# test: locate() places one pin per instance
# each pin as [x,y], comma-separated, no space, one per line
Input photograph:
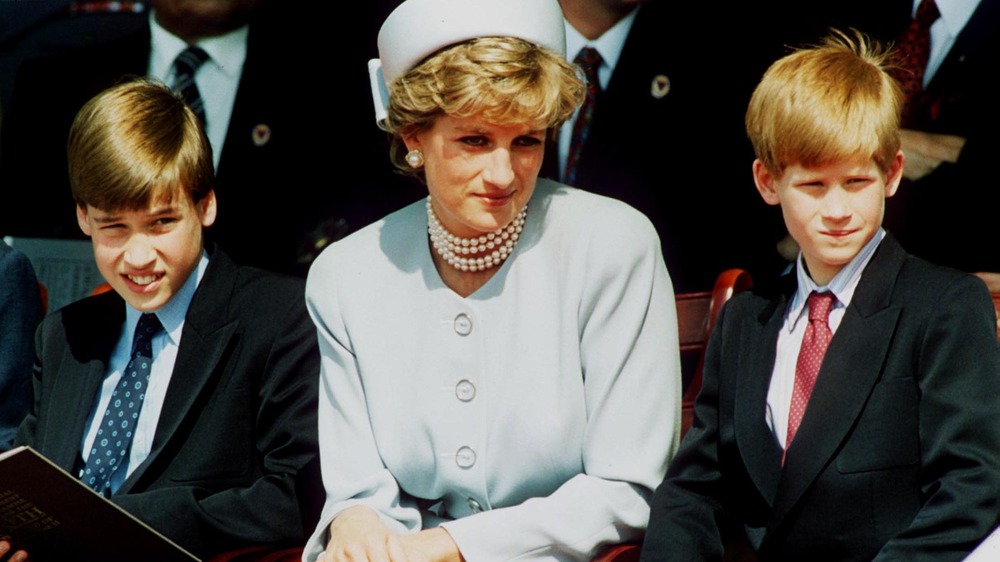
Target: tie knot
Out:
[190,59]
[927,13]
[820,305]
[148,326]
[589,60]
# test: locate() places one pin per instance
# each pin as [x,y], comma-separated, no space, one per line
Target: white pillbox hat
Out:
[419,28]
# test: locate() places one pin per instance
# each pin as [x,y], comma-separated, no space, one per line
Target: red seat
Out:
[102,288]
[696,315]
[628,552]
[996,306]
[44,293]
[616,553]
[259,553]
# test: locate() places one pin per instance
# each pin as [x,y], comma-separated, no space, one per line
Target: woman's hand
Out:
[18,556]
[358,534]
[431,544]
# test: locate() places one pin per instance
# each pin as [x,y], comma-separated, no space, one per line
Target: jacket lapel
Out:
[92,332]
[205,343]
[851,367]
[981,28]
[758,447]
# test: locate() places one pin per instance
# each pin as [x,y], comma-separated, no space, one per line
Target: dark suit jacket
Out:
[234,457]
[276,198]
[896,457]
[682,158]
[20,311]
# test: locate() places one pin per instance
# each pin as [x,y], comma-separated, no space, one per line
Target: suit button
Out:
[465,390]
[465,457]
[463,324]
[475,506]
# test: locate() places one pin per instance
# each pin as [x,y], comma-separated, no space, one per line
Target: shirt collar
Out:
[609,44]
[842,285]
[227,52]
[954,13]
[172,314]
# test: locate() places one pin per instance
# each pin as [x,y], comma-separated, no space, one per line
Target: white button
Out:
[463,324]
[475,506]
[465,457]
[465,390]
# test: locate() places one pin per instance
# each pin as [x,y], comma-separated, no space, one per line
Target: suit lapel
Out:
[758,447]
[205,343]
[92,332]
[981,28]
[243,145]
[850,369]
[632,78]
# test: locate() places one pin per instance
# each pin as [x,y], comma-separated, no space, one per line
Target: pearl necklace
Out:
[474,254]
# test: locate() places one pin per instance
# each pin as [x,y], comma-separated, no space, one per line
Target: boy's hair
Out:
[826,103]
[505,80]
[137,143]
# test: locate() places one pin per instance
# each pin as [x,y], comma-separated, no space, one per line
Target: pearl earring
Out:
[415,158]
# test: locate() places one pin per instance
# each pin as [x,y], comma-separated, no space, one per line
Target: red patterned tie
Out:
[814,343]
[589,60]
[913,50]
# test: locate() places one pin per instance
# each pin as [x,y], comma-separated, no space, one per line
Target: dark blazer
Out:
[675,156]
[234,457]
[20,311]
[896,457]
[281,181]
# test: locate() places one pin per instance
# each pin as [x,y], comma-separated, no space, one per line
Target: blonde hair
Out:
[826,103]
[136,143]
[504,80]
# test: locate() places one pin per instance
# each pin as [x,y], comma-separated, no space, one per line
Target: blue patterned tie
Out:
[114,436]
[185,66]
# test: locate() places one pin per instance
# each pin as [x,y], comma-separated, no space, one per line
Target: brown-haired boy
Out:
[214,456]
[892,454]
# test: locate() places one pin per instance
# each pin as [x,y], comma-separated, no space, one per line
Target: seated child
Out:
[223,449]
[894,454]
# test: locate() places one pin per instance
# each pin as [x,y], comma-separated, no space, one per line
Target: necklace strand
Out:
[474,254]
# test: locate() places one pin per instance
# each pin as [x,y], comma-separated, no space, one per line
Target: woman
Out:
[500,370]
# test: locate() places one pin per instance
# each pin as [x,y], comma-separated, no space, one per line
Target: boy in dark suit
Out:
[854,415]
[220,449]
